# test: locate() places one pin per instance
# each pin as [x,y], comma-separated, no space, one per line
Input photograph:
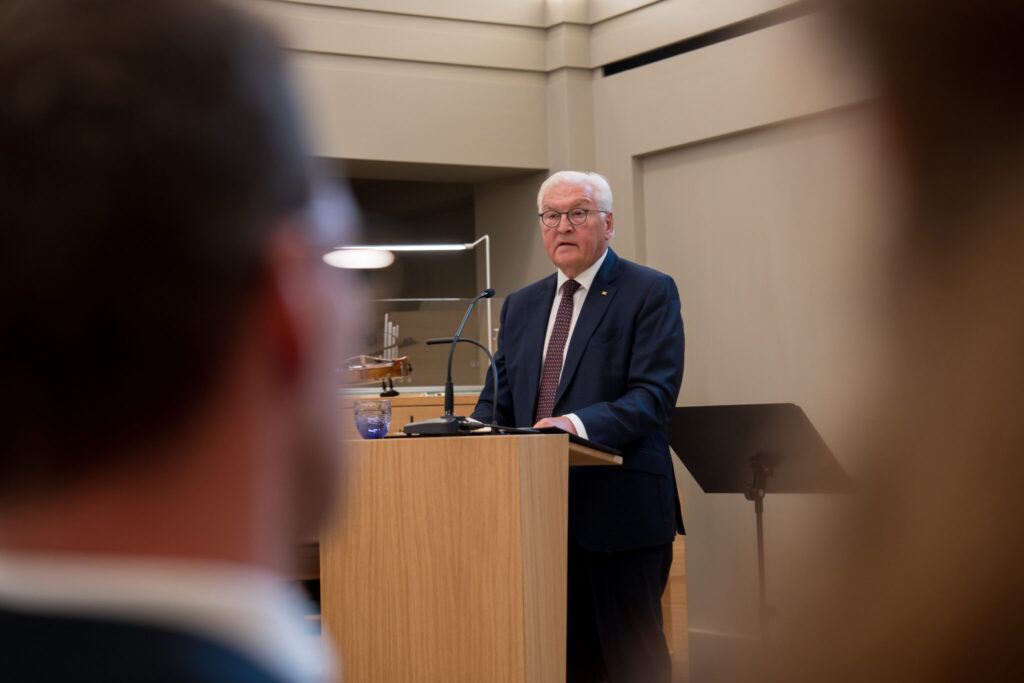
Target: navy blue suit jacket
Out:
[62,648]
[621,377]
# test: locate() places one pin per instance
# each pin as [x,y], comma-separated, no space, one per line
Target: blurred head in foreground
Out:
[168,345]
[169,333]
[928,587]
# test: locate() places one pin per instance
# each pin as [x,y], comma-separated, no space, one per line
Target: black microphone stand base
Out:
[387,388]
[448,425]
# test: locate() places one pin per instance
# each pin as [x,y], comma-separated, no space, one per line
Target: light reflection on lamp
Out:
[338,258]
[359,258]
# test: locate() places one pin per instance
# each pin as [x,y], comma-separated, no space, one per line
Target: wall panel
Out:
[521,12]
[332,30]
[402,111]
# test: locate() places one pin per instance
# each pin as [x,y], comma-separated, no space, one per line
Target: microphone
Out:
[449,423]
[449,393]
[490,359]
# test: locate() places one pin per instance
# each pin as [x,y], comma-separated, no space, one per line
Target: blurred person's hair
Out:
[146,147]
[951,77]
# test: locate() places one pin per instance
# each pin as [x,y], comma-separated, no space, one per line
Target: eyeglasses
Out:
[552,219]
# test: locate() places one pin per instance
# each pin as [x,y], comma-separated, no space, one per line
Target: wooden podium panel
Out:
[447,560]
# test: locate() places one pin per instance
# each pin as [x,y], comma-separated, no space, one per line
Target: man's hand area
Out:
[563,423]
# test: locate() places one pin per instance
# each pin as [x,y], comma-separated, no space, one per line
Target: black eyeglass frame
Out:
[586,215]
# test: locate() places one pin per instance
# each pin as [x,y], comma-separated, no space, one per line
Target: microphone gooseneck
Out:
[450,424]
[490,358]
[449,390]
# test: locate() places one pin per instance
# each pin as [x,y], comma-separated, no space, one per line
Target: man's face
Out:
[574,248]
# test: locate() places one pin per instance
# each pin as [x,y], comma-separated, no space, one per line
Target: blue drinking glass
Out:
[373,417]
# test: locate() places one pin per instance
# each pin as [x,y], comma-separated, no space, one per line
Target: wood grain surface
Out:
[447,563]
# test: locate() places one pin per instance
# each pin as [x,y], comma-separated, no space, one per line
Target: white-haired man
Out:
[596,349]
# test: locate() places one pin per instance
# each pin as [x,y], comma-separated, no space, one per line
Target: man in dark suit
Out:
[168,346]
[596,349]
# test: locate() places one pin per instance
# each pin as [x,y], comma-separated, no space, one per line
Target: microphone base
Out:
[449,425]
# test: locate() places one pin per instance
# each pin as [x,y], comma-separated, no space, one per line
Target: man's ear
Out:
[287,304]
[609,229]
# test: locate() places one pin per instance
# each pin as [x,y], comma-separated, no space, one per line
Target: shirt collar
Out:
[252,610]
[586,278]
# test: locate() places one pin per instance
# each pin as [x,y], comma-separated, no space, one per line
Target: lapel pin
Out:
[603,293]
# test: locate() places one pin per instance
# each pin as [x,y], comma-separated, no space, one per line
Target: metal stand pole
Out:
[756,493]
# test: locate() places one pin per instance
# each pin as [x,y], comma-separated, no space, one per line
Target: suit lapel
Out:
[539,306]
[599,297]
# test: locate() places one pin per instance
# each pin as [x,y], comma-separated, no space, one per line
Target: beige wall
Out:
[745,169]
[501,83]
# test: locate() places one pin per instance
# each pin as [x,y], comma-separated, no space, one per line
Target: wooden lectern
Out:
[446,559]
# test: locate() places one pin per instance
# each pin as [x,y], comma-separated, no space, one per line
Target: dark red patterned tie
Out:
[553,358]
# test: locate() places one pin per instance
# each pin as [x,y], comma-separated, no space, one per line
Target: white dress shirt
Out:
[585,280]
[253,611]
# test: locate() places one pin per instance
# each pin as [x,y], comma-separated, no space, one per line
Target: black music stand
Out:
[754,449]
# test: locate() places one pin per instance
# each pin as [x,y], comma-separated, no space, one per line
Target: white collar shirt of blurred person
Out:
[252,611]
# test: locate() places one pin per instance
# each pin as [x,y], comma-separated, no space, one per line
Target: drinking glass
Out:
[373,417]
